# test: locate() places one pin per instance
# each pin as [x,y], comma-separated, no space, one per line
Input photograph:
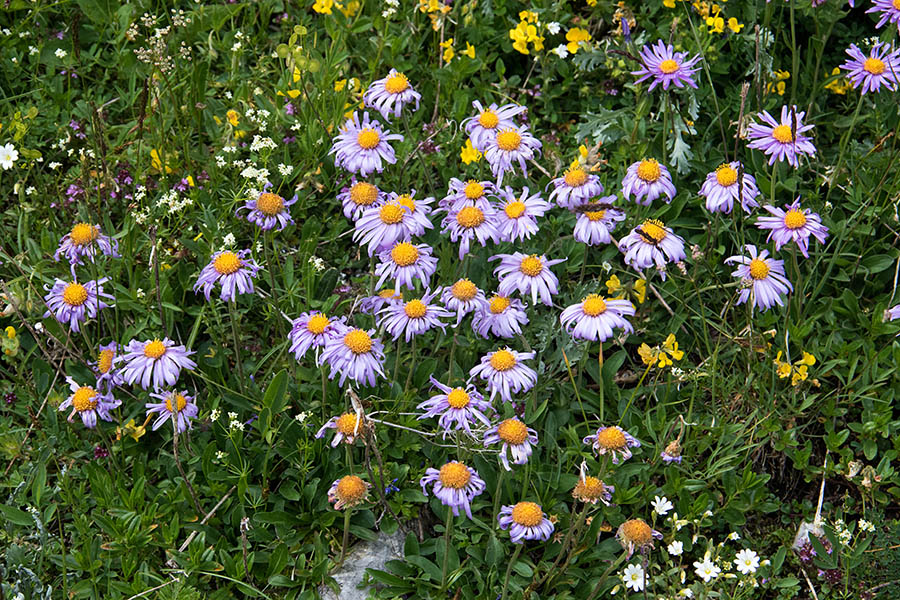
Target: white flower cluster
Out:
[391,9]
[260,143]
[172,203]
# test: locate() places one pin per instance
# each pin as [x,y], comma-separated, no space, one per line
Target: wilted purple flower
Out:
[764,278]
[635,534]
[455,485]
[347,426]
[614,441]
[233,270]
[108,376]
[89,403]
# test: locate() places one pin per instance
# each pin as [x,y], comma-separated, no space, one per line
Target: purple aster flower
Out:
[890,12]
[527,274]
[793,225]
[525,521]
[455,485]
[462,298]
[456,408]
[514,438]
[354,353]
[893,313]
[406,263]
[467,193]
[372,304]
[595,317]
[505,373]
[348,491]
[419,209]
[159,360]
[470,222]
[84,241]
[635,534]
[414,317]
[648,180]
[268,210]
[614,441]
[763,278]
[89,403]
[665,67]
[360,147]
[233,270]
[483,128]
[782,140]
[575,187]
[361,195]
[511,145]
[727,184]
[108,377]
[380,227]
[501,316]
[672,453]
[347,427]
[594,224]
[652,243]
[311,330]
[877,69]
[177,406]
[390,94]
[517,215]
[72,303]
[590,490]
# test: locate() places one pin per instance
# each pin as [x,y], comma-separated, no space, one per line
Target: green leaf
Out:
[16,516]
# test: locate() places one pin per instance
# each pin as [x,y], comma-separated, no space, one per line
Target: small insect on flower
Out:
[595,317]
[575,188]
[158,360]
[527,274]
[354,353]
[635,534]
[879,68]
[348,491]
[782,140]
[648,180]
[268,210]
[614,441]
[596,221]
[666,67]
[311,330]
[525,521]
[501,316]
[359,196]
[511,145]
[591,490]
[505,372]
[233,270]
[362,147]
[390,94]
[174,405]
[727,184]
[652,243]
[517,215]
[89,403]
[763,276]
[71,303]
[85,240]
[414,317]
[514,438]
[483,127]
[793,224]
[406,263]
[462,297]
[467,193]
[455,485]
[347,426]
[456,408]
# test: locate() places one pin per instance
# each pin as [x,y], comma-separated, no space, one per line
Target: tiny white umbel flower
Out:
[706,570]
[675,548]
[662,505]
[746,561]
[633,577]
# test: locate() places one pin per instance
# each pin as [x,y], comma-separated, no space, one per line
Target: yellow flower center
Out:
[83,399]
[358,341]
[351,489]
[531,266]
[509,140]
[346,424]
[758,269]
[470,217]
[391,214]
[668,66]
[637,532]
[503,360]
[527,514]
[654,229]
[404,254]
[783,134]
[396,83]
[595,215]
[83,234]
[363,193]
[589,488]
[499,304]
[458,398]
[488,119]
[455,475]
[874,65]
[367,139]
[896,4]
[389,294]
[648,170]
[227,263]
[154,349]
[473,190]
[415,309]
[105,360]
[317,324]
[514,210]
[407,201]
[75,294]
[464,290]
[593,305]
[575,177]
[269,204]
[611,438]
[180,403]
[794,219]
[726,175]
[512,431]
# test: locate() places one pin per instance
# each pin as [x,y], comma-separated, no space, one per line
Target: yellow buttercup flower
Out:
[528,16]
[469,154]
[614,288]
[671,347]
[323,7]
[350,9]
[661,357]
[715,23]
[798,372]
[640,290]
[669,3]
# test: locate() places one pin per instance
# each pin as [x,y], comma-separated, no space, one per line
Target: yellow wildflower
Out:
[839,85]
[135,431]
[350,9]
[233,117]
[156,163]
[469,51]
[448,50]
[469,154]
[10,332]
[340,84]
[649,355]
[592,2]
[778,86]
[614,288]
[715,23]
[296,75]
[671,347]
[640,290]
[575,36]
[669,3]
[661,357]
[798,372]
[734,26]
[528,16]
[323,7]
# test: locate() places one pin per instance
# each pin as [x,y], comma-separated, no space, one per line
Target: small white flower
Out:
[734,536]
[746,561]
[561,51]
[39,327]
[317,263]
[301,417]
[553,28]
[54,165]
[865,525]
[220,455]
[662,505]
[232,416]
[686,593]
[606,266]
[8,155]
[633,577]
[228,241]
[259,247]
[236,46]
[60,53]
[140,293]
[675,548]
[285,170]
[214,415]
[30,190]
[236,425]
[32,50]
[706,570]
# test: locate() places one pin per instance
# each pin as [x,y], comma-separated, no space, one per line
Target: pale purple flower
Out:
[890,12]
[727,184]
[517,215]
[361,146]
[71,303]
[406,263]
[457,408]
[501,316]
[268,210]
[515,439]
[108,376]
[85,240]
[505,373]
[527,274]
[614,441]
[380,227]
[511,145]
[665,67]
[347,427]
[648,180]
[575,187]
[311,330]
[893,313]
[419,209]
[372,304]
[233,270]
[355,354]
[455,485]
[358,197]
[471,222]
[462,298]
[159,361]
[652,243]
[763,278]
[89,403]
[174,405]
[595,317]
[594,225]
[525,521]
[795,224]
[390,94]
[879,68]
[784,139]
[467,193]
[413,318]
[483,127]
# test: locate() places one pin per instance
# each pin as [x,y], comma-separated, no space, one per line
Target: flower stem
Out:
[497,496]
[512,561]
[448,529]
[412,366]
[232,308]
[844,140]
[346,539]
[605,574]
